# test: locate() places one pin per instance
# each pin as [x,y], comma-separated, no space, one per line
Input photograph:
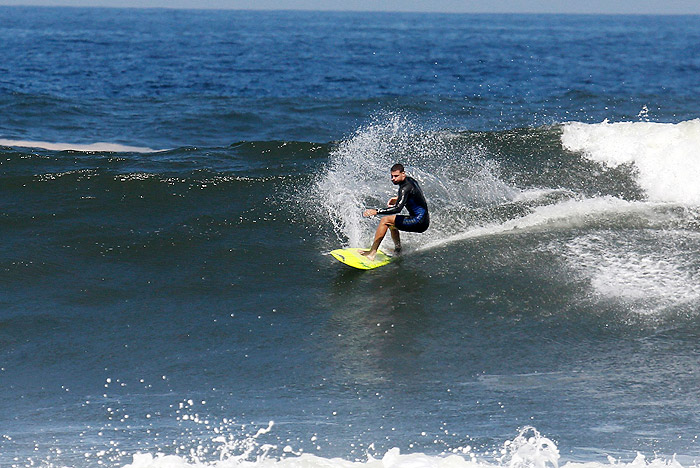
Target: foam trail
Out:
[567,214]
[94,147]
[666,156]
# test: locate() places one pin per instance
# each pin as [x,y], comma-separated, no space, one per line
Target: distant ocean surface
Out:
[171,183]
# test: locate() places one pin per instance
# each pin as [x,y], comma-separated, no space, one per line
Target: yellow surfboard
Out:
[353,257]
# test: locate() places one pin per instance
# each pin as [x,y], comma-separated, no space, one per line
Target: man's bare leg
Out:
[396,238]
[384,225]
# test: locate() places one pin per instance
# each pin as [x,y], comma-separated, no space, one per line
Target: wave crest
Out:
[665,155]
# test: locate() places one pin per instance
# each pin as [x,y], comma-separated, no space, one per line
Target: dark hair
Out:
[397,167]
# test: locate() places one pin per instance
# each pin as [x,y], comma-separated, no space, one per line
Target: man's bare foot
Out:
[397,250]
[369,254]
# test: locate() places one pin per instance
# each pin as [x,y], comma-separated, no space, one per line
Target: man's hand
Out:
[369,213]
[392,201]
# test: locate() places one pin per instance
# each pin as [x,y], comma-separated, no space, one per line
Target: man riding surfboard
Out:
[410,196]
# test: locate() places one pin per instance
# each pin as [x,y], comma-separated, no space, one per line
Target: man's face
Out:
[397,177]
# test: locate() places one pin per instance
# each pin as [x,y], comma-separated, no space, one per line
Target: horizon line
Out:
[333,10]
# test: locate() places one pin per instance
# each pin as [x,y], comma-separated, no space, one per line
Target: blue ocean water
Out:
[171,182]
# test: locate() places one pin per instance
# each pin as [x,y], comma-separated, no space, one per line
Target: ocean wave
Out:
[243,158]
[664,155]
[99,147]
[477,183]
[486,183]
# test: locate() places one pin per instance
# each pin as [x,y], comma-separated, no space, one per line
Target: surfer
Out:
[411,196]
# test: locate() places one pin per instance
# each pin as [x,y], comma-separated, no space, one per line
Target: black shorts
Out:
[413,223]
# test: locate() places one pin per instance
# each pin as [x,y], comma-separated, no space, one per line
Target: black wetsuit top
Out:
[410,196]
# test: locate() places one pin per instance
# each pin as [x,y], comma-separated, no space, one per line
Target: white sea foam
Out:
[529,449]
[567,214]
[666,156]
[651,271]
[392,459]
[92,148]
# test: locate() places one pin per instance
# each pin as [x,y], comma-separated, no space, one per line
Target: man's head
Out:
[397,174]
